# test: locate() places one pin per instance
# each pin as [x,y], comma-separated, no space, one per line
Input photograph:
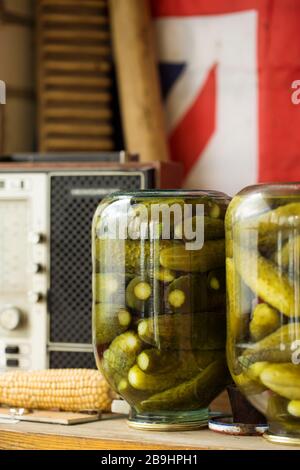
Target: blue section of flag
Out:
[169,73]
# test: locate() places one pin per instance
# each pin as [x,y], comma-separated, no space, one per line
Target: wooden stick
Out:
[141,105]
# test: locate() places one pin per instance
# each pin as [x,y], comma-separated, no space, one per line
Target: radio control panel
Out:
[23,275]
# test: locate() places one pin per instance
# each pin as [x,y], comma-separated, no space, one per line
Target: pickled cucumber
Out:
[195,393]
[277,408]
[263,230]
[283,379]
[108,288]
[140,380]
[164,275]
[214,210]
[265,320]
[283,216]
[276,347]
[238,303]
[122,353]
[185,293]
[247,384]
[110,321]
[267,281]
[294,408]
[158,361]
[289,256]
[130,394]
[213,228]
[189,294]
[216,280]
[211,256]
[138,293]
[155,360]
[132,255]
[256,369]
[204,330]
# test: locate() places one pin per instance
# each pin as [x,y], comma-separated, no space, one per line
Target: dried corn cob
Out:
[64,389]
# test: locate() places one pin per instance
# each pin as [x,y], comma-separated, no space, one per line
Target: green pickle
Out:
[159,303]
[210,256]
[263,257]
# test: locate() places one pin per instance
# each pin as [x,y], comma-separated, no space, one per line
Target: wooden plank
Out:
[75,8]
[114,434]
[78,129]
[89,3]
[20,441]
[74,20]
[97,50]
[79,145]
[52,417]
[80,113]
[74,96]
[61,34]
[139,88]
[77,66]
[71,80]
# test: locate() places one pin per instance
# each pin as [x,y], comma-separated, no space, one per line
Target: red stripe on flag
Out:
[192,134]
[279,153]
[179,8]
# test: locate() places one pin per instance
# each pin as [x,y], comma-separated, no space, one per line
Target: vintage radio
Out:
[46,209]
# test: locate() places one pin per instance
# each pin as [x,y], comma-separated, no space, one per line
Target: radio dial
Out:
[35,297]
[10,318]
[36,238]
[36,268]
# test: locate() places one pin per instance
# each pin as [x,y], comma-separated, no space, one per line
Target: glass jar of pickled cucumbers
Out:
[159,303]
[263,303]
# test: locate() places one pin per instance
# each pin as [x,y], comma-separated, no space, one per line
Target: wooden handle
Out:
[139,89]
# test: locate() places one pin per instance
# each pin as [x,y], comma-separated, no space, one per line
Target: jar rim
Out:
[275,188]
[171,192]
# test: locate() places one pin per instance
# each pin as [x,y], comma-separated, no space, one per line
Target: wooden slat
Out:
[74,19]
[77,49]
[88,3]
[93,66]
[74,9]
[66,96]
[62,80]
[78,129]
[60,34]
[79,113]
[65,144]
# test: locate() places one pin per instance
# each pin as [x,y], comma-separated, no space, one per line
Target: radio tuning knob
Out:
[36,268]
[35,297]
[35,238]
[10,318]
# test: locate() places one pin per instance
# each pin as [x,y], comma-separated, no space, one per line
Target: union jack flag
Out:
[227,70]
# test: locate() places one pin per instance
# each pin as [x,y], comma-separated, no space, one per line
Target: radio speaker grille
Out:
[74,200]
[72,360]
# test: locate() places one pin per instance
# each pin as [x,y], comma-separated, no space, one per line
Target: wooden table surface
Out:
[113,434]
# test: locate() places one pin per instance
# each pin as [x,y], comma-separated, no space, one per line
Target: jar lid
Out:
[186,426]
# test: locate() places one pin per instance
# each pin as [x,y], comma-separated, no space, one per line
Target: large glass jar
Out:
[159,303]
[263,295]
